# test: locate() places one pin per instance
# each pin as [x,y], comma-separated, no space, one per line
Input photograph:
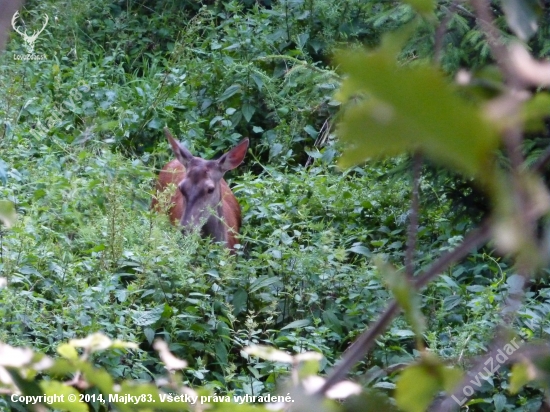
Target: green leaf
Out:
[248,111]
[230,91]
[275,149]
[405,295]
[310,130]
[147,317]
[360,250]
[416,388]
[534,112]
[221,352]
[155,124]
[240,298]
[422,6]
[258,80]
[149,334]
[302,40]
[297,324]
[67,351]
[405,109]
[419,383]
[315,154]
[521,16]
[262,283]
[331,320]
[63,392]
[499,401]
[111,125]
[520,376]
[98,377]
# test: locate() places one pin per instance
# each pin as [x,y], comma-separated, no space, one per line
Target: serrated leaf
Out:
[248,111]
[407,109]
[147,317]
[499,400]
[521,16]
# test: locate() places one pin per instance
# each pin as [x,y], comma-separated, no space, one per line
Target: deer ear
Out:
[182,154]
[234,157]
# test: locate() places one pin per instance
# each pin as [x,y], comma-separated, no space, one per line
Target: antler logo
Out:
[29,39]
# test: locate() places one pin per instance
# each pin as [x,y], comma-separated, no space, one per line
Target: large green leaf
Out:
[419,383]
[398,109]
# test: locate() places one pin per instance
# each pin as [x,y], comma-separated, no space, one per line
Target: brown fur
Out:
[174,172]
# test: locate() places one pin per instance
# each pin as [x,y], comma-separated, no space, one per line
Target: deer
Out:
[202,200]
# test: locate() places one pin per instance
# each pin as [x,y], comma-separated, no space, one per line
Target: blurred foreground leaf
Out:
[7,213]
[395,109]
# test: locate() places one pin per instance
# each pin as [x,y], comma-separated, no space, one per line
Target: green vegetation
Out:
[323,249]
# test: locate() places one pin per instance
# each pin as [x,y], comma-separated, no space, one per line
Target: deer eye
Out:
[210,190]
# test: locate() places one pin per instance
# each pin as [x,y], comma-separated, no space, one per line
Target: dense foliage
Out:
[82,144]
